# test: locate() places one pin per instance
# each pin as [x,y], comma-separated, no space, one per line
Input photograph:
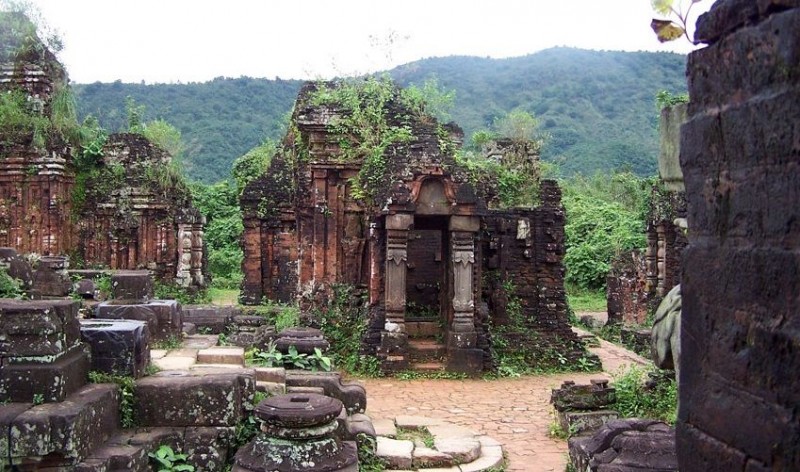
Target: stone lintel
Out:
[399,221]
[465,223]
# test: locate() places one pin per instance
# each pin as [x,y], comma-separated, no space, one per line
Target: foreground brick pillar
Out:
[740,153]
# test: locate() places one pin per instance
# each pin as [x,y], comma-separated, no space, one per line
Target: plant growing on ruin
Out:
[292,359]
[368,461]
[167,460]
[640,398]
[344,321]
[365,129]
[126,397]
[678,14]
[9,286]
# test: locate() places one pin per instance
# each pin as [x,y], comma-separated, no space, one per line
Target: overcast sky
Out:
[197,40]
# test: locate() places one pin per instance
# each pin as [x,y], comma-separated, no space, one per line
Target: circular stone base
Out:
[283,460]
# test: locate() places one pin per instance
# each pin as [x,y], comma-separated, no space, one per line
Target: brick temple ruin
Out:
[426,246]
[139,222]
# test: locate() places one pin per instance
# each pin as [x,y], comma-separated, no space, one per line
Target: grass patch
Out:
[581,299]
[223,296]
[646,393]
[418,436]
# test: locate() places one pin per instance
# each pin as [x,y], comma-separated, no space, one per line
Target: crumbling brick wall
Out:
[739,152]
[523,250]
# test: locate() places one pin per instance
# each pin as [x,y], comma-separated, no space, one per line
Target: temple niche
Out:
[130,211]
[411,229]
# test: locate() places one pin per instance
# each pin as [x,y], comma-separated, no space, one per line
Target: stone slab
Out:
[208,318]
[462,449]
[397,454]
[221,355]
[132,285]
[585,422]
[352,394]
[22,381]
[272,388]
[416,422]
[200,341]
[271,374]
[120,347]
[491,457]
[174,362]
[194,398]
[38,328]
[426,457]
[68,430]
[385,428]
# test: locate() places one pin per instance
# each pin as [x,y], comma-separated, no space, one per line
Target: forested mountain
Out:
[597,107]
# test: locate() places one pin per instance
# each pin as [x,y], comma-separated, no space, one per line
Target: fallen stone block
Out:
[208,318]
[424,457]
[271,374]
[351,394]
[385,427]
[397,454]
[595,396]
[119,347]
[461,449]
[64,433]
[23,381]
[50,279]
[207,447]
[38,328]
[163,317]
[132,285]
[585,422]
[8,412]
[271,388]
[629,444]
[211,397]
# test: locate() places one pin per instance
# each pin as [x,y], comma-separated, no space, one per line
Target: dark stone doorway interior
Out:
[426,282]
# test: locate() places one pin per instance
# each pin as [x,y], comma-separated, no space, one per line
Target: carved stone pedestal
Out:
[298,434]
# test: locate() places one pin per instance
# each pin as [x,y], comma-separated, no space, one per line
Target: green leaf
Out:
[663,7]
[666,30]
[184,467]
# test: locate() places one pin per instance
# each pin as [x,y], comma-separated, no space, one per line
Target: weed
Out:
[636,397]
[292,359]
[172,342]
[126,385]
[438,375]
[38,399]
[167,460]
[368,461]
[419,435]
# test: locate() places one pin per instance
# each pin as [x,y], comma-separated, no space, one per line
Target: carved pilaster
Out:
[462,330]
[183,273]
[395,294]
[197,254]
[651,264]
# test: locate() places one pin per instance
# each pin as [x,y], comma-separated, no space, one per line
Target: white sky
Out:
[197,40]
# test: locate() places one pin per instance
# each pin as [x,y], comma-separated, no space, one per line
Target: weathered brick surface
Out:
[742,271]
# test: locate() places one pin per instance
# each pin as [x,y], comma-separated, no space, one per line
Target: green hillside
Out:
[598,107]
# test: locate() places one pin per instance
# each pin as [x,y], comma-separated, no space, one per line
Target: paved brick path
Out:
[516,412]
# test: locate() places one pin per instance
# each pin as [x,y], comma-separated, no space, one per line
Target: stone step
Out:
[63,434]
[427,366]
[425,350]
[128,450]
[221,355]
[423,329]
[455,449]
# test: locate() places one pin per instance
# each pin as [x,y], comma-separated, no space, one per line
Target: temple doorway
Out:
[426,280]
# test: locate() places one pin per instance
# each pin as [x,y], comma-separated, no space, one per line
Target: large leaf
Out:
[662,6]
[666,30]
